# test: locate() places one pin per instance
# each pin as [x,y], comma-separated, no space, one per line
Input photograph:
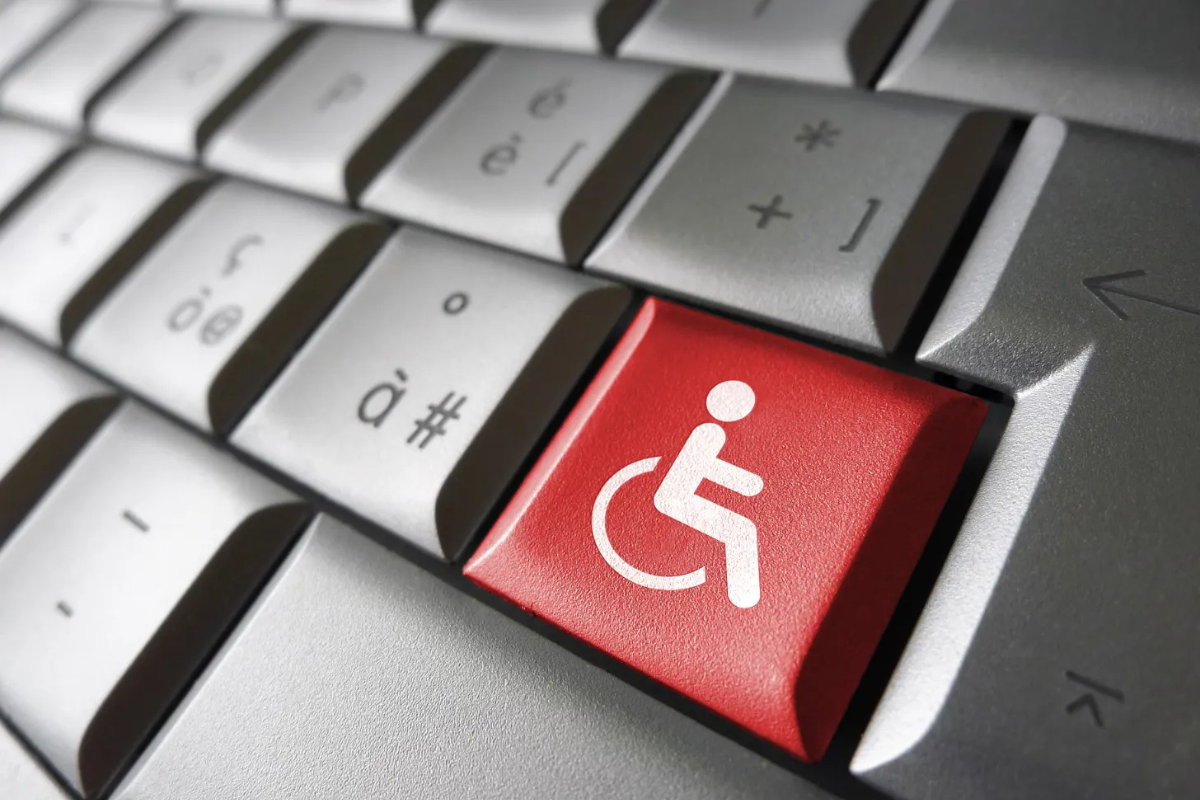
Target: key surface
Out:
[426,389]
[26,152]
[21,776]
[841,42]
[118,584]
[1126,65]
[402,686]
[828,214]
[57,83]
[333,117]
[259,8]
[1057,655]
[24,24]
[537,150]
[208,317]
[180,94]
[390,13]
[81,233]
[592,26]
[49,413]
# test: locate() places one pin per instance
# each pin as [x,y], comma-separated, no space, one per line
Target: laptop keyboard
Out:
[599,398]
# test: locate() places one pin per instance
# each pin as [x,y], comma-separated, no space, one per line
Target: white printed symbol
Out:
[676,497]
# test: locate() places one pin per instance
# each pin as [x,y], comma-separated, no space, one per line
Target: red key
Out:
[735,514]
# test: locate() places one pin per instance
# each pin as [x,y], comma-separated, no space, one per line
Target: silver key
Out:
[53,411]
[588,25]
[259,8]
[1131,65]
[389,13]
[117,585]
[537,150]
[210,315]
[430,383]
[360,676]
[25,23]
[842,42]
[1057,655]
[58,82]
[802,218]
[21,776]
[331,118]
[177,97]
[26,152]
[78,236]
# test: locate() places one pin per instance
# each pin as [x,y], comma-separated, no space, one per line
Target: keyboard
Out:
[599,399]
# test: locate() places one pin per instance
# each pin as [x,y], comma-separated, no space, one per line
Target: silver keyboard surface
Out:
[310,308]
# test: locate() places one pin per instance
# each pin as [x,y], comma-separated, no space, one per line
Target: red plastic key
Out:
[735,514]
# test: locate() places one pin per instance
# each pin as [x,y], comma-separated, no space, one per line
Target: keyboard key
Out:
[58,83]
[1057,654]
[537,150]
[26,152]
[389,13]
[425,391]
[260,8]
[176,98]
[588,25]
[82,232]
[1126,65]
[842,42]
[207,319]
[43,425]
[24,24]
[831,234]
[21,776]
[334,116]
[831,473]
[401,686]
[119,584]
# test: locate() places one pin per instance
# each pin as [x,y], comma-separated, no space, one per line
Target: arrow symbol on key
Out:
[1088,699]
[1102,287]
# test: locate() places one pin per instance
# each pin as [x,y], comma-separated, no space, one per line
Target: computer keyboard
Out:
[599,398]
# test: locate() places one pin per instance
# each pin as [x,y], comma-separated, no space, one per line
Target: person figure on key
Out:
[699,461]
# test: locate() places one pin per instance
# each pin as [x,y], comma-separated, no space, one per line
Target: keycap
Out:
[26,152]
[1057,655]
[20,774]
[209,316]
[417,401]
[402,686]
[43,424]
[329,121]
[26,23]
[588,25]
[1132,65]
[389,13]
[81,233]
[824,478]
[57,83]
[841,42]
[177,97]
[537,150]
[119,583]
[832,233]
[261,8]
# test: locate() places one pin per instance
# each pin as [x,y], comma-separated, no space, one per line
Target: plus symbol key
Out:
[768,212]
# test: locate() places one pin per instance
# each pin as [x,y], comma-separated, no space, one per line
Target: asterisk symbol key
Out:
[813,137]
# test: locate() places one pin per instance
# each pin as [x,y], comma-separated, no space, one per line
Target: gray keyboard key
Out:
[841,42]
[43,424]
[1132,65]
[25,23]
[1057,655]
[21,776]
[26,152]
[57,83]
[389,13]
[358,675]
[119,583]
[333,117]
[803,217]
[428,386]
[258,8]
[588,25]
[537,150]
[179,95]
[81,233]
[209,316]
